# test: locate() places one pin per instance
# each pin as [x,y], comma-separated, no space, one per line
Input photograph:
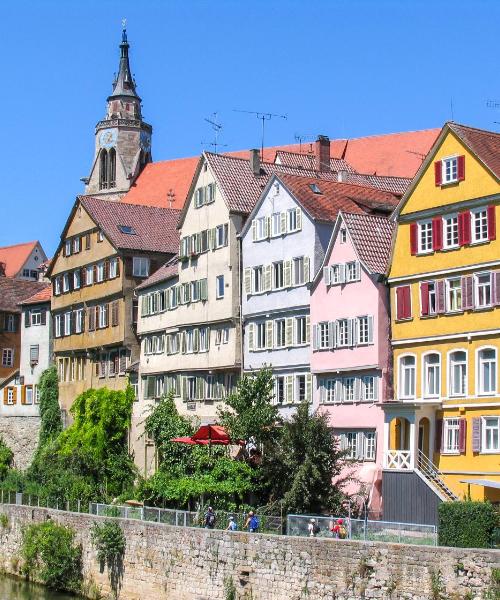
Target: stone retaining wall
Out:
[175,563]
[21,436]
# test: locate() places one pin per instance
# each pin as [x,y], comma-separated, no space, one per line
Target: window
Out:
[352,271]
[278,275]
[276,223]
[342,332]
[458,373]
[89,277]
[189,341]
[450,226]
[450,169]
[36,316]
[483,290]
[76,244]
[279,333]
[298,270]
[407,377]
[369,450]
[76,279]
[292,220]
[349,387]
[219,286]
[103,316]
[451,436]
[301,388]
[432,375]
[365,330]
[280,390]
[487,371]
[337,274]
[324,337]
[369,388]
[100,272]
[34,354]
[491,434]
[203,343]
[261,228]
[351,444]
[67,323]
[428,298]
[66,282]
[140,266]
[58,325]
[301,333]
[479,225]
[343,235]
[57,286]
[225,335]
[258,279]
[79,320]
[113,268]
[67,248]
[425,236]
[195,291]
[261,336]
[11,323]
[221,236]
[329,390]
[454,294]
[28,397]
[7,357]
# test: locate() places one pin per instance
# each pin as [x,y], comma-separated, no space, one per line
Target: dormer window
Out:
[127,229]
[314,187]
[343,235]
[449,170]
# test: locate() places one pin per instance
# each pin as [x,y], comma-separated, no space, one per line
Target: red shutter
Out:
[476,434]
[461,168]
[437,233]
[491,222]
[438,170]
[462,435]
[403,302]
[440,296]
[413,238]
[464,228]
[496,287]
[438,442]
[424,299]
[467,292]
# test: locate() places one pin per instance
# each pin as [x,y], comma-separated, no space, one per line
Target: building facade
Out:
[22,261]
[444,424]
[106,250]
[350,358]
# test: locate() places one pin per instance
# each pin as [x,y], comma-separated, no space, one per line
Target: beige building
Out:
[106,250]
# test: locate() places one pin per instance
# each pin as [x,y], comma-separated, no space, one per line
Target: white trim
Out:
[422,376]
[399,395]
[474,405]
[347,369]
[483,434]
[465,268]
[450,336]
[479,393]
[448,377]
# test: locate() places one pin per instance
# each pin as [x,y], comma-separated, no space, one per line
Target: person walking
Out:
[252,522]
[313,528]
[232,525]
[210,518]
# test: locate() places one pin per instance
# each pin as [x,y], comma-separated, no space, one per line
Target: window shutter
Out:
[403,302]
[114,313]
[496,287]
[464,235]
[267,277]
[289,389]
[43,317]
[23,394]
[476,434]
[298,213]
[129,266]
[438,442]
[308,329]
[331,334]
[204,289]
[322,391]
[438,171]
[413,238]
[248,280]
[424,299]
[287,269]
[326,275]
[307,269]
[14,395]
[196,339]
[5,395]
[440,296]
[283,222]
[358,389]
[370,329]
[467,292]
[341,273]
[375,387]
[27,318]
[254,230]
[491,222]
[83,319]
[462,435]
[461,168]
[360,443]
[251,332]
[437,233]
[350,332]
[106,269]
[289,331]
[269,335]
[267,227]
[144,305]
[308,387]
[315,337]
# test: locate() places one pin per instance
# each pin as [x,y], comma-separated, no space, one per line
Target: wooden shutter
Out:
[437,233]
[403,302]
[308,387]
[204,289]
[268,277]
[461,168]
[5,395]
[438,442]
[129,266]
[43,316]
[289,331]
[27,318]
[254,230]
[94,276]
[106,270]
[83,277]
[331,334]
[83,319]
[326,275]
[14,395]
[476,434]
[370,329]
[289,395]
[438,173]
[464,234]
[440,296]
[87,241]
[307,269]
[467,292]
[424,298]
[91,315]
[491,222]
[287,271]
[248,280]
[298,213]
[496,287]
[308,329]
[23,394]
[315,337]
[114,313]
[413,238]
[251,335]
[462,435]
[269,335]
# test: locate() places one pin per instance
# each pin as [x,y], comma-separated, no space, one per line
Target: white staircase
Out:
[433,477]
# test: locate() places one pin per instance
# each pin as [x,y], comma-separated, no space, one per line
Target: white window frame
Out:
[450,230]
[449,170]
[403,372]
[352,271]
[300,331]
[426,368]
[484,434]
[363,324]
[480,364]
[100,272]
[481,215]
[68,247]
[298,264]
[89,274]
[219,291]
[67,323]
[276,224]
[278,268]
[79,320]
[65,279]
[28,396]
[450,368]
[57,286]
[425,248]
[189,333]
[478,287]
[260,335]
[292,220]
[7,357]
[343,235]
[342,333]
[279,382]
[451,435]
[203,339]
[140,266]
[225,335]
[299,378]
[324,335]
[113,268]
[258,279]
[102,318]
[280,333]
[260,228]
[457,292]
[35,316]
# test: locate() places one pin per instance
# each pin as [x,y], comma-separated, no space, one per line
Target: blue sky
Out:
[341,68]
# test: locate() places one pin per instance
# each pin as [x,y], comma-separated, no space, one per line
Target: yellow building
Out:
[444,423]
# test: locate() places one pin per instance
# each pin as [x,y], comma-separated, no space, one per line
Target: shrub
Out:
[6,456]
[51,556]
[110,543]
[466,524]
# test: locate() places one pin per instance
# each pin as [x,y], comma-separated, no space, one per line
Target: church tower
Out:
[122,139]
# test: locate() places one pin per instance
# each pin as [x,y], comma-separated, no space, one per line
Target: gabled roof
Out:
[13,291]
[40,297]
[308,161]
[394,185]
[154,228]
[15,256]
[164,273]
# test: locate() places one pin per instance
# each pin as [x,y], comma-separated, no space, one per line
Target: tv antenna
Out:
[421,155]
[493,104]
[304,137]
[263,116]
[217,127]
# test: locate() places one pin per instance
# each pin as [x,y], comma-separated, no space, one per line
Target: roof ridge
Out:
[357,185]
[20,244]
[471,128]
[364,137]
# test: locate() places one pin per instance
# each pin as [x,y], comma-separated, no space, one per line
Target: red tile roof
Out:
[394,185]
[155,228]
[164,273]
[15,256]
[484,144]
[308,161]
[336,196]
[372,237]
[13,291]
[43,295]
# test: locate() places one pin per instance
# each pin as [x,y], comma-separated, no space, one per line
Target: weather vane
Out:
[124,23]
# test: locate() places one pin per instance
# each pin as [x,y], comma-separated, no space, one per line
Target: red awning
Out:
[205,436]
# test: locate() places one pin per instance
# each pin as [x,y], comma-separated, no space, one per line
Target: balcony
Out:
[398,460]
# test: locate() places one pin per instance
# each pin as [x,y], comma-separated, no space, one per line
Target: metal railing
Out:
[366,530]
[434,476]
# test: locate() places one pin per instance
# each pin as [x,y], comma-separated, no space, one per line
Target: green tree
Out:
[250,411]
[299,468]
[50,412]
[6,457]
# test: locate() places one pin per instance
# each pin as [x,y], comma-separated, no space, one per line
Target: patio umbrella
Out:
[184,440]
[211,434]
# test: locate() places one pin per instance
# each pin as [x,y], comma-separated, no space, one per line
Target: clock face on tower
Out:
[107,138]
[145,141]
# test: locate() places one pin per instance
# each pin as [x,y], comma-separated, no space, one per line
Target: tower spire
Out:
[124,84]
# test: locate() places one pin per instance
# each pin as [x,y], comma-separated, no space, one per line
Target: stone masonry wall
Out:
[21,436]
[174,563]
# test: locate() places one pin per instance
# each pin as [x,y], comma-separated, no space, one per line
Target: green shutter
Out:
[307,269]
[287,266]
[289,389]
[308,387]
[204,289]
[267,277]
[299,218]
[269,335]
[251,335]
[289,331]
[283,222]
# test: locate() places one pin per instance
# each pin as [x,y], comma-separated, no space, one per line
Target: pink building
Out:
[350,359]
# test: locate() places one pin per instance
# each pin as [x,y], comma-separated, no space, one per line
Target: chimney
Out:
[322,153]
[342,175]
[255,161]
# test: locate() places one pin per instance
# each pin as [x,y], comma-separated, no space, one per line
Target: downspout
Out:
[240,275]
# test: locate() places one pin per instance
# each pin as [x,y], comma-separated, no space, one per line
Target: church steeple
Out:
[123,139]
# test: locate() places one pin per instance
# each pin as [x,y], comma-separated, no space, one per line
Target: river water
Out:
[14,589]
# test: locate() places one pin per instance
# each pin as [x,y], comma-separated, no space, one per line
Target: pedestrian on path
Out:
[252,522]
[210,518]
[232,525]
[313,528]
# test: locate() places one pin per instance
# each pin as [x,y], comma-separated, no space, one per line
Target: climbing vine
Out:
[110,543]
